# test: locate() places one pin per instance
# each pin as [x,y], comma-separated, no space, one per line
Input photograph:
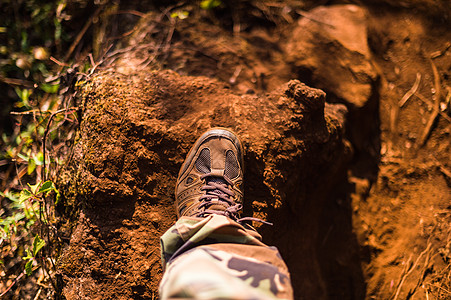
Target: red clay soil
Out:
[358,188]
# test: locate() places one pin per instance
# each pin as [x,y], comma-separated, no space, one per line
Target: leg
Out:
[221,260]
[210,253]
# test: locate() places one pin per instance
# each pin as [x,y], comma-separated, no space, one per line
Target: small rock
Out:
[329,50]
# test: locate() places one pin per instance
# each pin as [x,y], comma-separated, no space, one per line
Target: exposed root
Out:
[435,113]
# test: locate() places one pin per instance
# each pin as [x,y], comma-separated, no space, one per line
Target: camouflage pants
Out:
[217,258]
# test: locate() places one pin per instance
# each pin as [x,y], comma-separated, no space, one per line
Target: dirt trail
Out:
[403,219]
[361,208]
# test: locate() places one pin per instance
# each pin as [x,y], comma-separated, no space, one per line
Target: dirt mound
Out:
[134,136]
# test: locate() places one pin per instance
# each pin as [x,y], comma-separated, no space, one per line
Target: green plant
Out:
[38,243]
[210,4]
[26,208]
[27,213]
[22,216]
[40,39]
[180,14]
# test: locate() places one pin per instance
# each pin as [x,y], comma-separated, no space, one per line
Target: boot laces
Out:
[219,193]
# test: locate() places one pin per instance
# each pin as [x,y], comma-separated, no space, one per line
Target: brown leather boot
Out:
[210,180]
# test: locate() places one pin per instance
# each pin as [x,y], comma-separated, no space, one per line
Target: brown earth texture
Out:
[344,112]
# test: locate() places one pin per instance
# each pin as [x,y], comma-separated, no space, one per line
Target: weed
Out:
[38,243]
[210,4]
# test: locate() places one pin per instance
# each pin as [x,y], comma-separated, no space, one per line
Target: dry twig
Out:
[59,63]
[426,101]
[442,168]
[410,92]
[423,271]
[13,283]
[82,33]
[435,113]
[409,271]
[45,135]
[17,280]
[17,82]
[441,52]
[131,12]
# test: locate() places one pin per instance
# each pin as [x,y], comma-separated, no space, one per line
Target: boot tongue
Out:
[217,167]
[218,207]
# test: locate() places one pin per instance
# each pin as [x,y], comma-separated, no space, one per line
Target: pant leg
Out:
[217,258]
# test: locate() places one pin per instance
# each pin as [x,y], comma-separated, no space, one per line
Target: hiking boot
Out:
[210,180]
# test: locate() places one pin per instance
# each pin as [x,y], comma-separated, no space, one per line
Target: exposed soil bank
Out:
[134,136]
